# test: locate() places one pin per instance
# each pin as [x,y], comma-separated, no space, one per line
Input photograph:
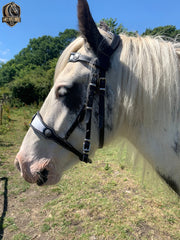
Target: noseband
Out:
[97,85]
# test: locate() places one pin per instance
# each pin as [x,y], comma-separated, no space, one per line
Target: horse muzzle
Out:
[40,172]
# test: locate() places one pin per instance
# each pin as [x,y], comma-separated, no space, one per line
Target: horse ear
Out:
[87,25]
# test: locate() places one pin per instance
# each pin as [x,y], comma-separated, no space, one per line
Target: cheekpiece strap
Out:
[97,84]
[92,89]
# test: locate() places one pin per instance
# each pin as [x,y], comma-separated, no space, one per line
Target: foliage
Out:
[115,28]
[28,76]
[39,52]
[169,31]
[8,71]
[32,87]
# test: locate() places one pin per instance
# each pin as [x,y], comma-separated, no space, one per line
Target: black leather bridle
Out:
[97,85]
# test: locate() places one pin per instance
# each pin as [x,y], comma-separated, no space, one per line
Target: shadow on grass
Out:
[5,206]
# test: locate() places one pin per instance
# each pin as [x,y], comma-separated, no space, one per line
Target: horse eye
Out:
[61,92]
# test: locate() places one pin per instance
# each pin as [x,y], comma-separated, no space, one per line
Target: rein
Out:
[97,85]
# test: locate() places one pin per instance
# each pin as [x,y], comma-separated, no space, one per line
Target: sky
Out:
[49,17]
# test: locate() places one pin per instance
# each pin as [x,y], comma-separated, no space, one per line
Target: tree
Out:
[39,52]
[167,31]
[113,25]
[7,72]
[115,28]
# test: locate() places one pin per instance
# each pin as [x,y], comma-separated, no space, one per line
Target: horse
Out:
[107,87]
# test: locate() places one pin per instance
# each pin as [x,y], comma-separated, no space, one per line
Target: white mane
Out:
[149,90]
[149,74]
[150,80]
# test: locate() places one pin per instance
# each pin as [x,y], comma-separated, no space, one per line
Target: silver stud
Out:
[76,56]
[47,132]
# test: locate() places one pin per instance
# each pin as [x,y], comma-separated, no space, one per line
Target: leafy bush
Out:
[23,90]
[34,86]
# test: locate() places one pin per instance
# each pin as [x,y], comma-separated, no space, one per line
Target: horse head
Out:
[42,160]
[106,86]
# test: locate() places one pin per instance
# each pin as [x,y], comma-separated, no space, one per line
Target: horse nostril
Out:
[17,164]
[43,177]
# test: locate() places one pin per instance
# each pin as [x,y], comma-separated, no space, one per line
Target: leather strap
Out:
[78,120]
[105,50]
[77,57]
[92,88]
[102,89]
[38,125]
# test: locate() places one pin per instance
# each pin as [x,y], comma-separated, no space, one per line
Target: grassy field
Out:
[105,200]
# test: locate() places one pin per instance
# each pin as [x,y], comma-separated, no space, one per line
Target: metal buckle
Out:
[102,84]
[102,78]
[102,89]
[89,108]
[86,146]
[92,84]
[74,57]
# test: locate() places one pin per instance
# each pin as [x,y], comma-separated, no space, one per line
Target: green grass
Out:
[21,236]
[105,200]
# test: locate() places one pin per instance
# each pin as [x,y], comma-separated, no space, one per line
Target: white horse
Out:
[142,103]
